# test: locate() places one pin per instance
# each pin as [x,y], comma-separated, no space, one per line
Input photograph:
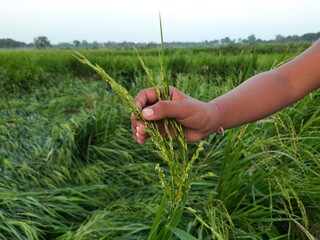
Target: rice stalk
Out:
[177,184]
[306,232]
[174,153]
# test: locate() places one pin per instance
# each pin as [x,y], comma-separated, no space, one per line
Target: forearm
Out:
[256,98]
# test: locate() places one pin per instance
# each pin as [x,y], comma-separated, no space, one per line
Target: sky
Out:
[138,20]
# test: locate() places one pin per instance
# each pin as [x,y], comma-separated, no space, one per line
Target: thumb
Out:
[162,110]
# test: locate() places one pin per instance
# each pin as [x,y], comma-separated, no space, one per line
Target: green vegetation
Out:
[69,168]
[43,42]
[179,174]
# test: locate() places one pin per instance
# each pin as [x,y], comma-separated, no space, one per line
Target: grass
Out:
[70,170]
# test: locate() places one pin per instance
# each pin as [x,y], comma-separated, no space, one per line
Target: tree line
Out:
[43,42]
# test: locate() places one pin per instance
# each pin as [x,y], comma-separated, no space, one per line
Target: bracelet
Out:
[220,128]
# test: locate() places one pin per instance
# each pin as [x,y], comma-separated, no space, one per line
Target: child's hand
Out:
[199,119]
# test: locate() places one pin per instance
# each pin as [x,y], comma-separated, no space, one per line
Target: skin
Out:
[258,97]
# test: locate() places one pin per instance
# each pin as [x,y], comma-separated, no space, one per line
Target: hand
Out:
[199,119]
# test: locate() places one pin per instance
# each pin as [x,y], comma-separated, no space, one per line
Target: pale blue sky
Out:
[138,21]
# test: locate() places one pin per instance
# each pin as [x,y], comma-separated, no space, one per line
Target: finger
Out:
[138,128]
[139,133]
[168,109]
[176,94]
[146,97]
[139,141]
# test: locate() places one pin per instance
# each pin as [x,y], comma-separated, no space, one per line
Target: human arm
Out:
[271,91]
[256,98]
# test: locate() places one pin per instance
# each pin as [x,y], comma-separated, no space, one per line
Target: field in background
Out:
[69,168]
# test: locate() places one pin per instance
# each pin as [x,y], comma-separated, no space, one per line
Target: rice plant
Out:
[70,170]
[181,172]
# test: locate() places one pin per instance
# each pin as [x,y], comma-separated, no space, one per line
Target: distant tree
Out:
[308,37]
[95,45]
[151,45]
[64,45]
[225,41]
[251,39]
[214,42]
[294,38]
[280,38]
[10,43]
[85,44]
[42,42]
[76,43]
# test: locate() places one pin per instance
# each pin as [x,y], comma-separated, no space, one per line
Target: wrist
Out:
[217,117]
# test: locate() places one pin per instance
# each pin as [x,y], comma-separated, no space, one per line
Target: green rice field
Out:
[69,168]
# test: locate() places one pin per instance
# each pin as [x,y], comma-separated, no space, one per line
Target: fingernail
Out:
[147,112]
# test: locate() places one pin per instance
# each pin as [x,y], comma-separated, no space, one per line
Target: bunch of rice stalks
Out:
[176,180]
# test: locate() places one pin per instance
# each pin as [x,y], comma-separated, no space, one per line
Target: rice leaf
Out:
[183,235]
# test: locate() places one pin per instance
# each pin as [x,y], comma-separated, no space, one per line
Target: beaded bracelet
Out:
[220,128]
